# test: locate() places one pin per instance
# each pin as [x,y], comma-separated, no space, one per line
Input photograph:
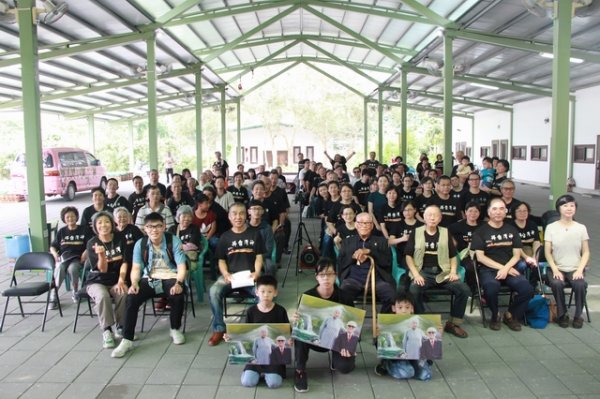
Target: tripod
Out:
[298,239]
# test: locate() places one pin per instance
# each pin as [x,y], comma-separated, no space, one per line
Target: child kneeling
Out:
[404,369]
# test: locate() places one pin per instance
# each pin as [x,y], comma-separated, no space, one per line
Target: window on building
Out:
[584,153]
[519,152]
[253,154]
[310,153]
[468,152]
[484,151]
[539,153]
[295,151]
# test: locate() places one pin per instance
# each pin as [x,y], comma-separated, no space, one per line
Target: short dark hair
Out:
[324,263]
[504,163]
[67,209]
[137,177]
[514,210]
[201,198]
[487,159]
[442,177]
[564,199]
[154,217]
[404,297]
[472,204]
[238,173]
[266,279]
[113,179]
[100,189]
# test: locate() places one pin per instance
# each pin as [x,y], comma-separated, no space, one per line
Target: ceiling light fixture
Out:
[483,85]
[572,59]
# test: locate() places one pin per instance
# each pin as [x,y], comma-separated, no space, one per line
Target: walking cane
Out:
[371,280]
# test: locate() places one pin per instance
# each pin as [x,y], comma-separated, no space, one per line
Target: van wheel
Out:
[103,183]
[70,194]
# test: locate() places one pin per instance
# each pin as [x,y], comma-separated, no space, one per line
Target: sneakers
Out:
[119,332]
[455,330]
[108,340]
[124,347]
[178,337]
[511,322]
[563,321]
[216,338]
[300,382]
[380,370]
[578,322]
[74,296]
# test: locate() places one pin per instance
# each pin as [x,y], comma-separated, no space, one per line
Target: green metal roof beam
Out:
[429,14]
[71,48]
[177,11]
[176,111]
[501,84]
[465,101]
[305,58]
[519,44]
[270,78]
[95,87]
[371,44]
[342,62]
[263,61]
[327,39]
[373,10]
[422,108]
[231,45]
[134,104]
[336,80]
[215,13]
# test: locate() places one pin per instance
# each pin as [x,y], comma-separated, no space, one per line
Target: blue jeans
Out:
[250,379]
[327,246]
[215,295]
[405,369]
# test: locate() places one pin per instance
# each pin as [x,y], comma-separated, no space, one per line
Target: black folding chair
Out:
[32,262]
[239,297]
[189,300]
[480,295]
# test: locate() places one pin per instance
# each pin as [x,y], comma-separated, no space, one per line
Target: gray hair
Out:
[183,210]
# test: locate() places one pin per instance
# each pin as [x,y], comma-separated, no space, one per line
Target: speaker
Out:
[309,257]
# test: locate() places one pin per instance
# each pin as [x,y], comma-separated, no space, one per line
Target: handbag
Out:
[538,312]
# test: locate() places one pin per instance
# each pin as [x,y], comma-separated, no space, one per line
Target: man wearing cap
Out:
[280,354]
[347,340]
[431,260]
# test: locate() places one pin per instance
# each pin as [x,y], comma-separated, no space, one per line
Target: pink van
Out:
[66,171]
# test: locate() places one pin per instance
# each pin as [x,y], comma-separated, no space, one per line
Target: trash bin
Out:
[16,246]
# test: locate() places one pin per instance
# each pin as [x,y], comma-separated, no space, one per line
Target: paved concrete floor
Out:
[552,362]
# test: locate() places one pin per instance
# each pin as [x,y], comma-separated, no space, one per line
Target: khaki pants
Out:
[103,298]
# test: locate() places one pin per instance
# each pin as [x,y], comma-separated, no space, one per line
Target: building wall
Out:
[533,127]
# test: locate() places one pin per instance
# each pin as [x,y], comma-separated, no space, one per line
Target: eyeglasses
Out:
[350,326]
[431,332]
[508,188]
[474,179]
[154,226]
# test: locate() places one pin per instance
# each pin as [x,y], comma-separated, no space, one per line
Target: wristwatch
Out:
[179,283]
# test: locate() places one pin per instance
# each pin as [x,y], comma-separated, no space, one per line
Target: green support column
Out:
[238,153]
[223,124]
[404,114]
[366,127]
[131,146]
[379,124]
[32,125]
[152,119]
[448,83]
[92,133]
[198,103]
[571,136]
[560,101]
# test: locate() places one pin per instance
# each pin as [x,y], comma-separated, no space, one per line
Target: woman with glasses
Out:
[567,249]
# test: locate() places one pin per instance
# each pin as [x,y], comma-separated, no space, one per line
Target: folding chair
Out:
[543,275]
[480,295]
[240,297]
[197,275]
[82,295]
[31,262]
[189,300]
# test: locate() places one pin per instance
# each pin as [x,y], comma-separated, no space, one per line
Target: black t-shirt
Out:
[528,234]
[191,234]
[482,198]
[137,201]
[338,296]
[511,207]
[344,232]
[223,223]
[115,252]
[117,201]
[239,194]
[497,244]
[391,216]
[404,229]
[458,195]
[131,233]
[450,210]
[173,204]
[86,217]
[280,199]
[271,211]
[309,177]
[161,187]
[71,243]
[223,166]
[335,212]
[430,260]
[372,164]
[361,192]
[498,182]
[421,202]
[462,233]
[406,195]
[301,163]
[239,250]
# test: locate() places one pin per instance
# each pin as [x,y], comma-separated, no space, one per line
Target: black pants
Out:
[460,290]
[342,364]
[385,292]
[169,173]
[146,292]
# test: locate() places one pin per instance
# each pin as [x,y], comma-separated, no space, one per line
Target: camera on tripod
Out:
[301,198]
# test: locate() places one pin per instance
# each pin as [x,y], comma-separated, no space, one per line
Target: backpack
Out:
[170,238]
[538,312]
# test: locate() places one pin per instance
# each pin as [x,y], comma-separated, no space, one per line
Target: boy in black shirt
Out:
[264,312]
